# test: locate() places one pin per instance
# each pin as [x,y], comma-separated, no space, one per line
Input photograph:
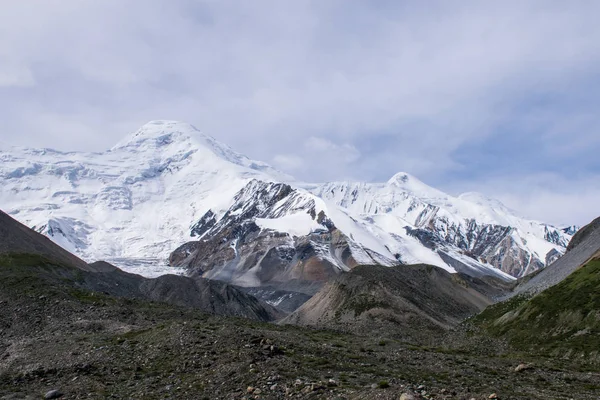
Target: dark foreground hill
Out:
[16,238]
[584,233]
[26,255]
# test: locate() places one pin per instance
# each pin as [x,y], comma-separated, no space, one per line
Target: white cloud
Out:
[15,76]
[547,197]
[288,162]
[317,156]
[265,76]
[577,207]
[326,148]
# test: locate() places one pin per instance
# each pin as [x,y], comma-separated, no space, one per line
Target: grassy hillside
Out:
[563,320]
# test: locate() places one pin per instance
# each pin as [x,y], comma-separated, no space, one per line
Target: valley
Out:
[171,266]
[92,345]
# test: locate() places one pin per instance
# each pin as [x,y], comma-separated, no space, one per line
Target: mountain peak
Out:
[160,133]
[412,184]
[166,125]
[143,198]
[402,178]
[175,139]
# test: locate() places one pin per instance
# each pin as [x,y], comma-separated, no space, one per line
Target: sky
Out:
[501,97]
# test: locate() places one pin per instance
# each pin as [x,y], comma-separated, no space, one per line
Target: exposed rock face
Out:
[236,249]
[552,256]
[509,257]
[570,230]
[557,236]
[276,235]
[491,244]
[204,224]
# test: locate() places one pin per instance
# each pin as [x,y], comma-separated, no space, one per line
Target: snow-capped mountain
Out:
[481,228]
[170,191]
[136,200]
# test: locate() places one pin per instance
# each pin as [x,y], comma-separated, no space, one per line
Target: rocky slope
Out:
[584,246]
[27,255]
[410,300]
[169,185]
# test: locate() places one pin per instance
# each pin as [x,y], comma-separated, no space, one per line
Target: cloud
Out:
[547,197]
[317,156]
[451,92]
[288,162]
[324,147]
[15,76]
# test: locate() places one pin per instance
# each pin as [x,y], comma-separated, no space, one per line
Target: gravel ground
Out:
[91,346]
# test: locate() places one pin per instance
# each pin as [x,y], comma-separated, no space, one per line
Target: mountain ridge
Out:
[105,205]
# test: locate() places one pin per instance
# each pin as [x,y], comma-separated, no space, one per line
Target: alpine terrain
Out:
[74,330]
[294,290]
[170,196]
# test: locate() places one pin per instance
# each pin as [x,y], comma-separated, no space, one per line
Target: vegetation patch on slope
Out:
[563,320]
